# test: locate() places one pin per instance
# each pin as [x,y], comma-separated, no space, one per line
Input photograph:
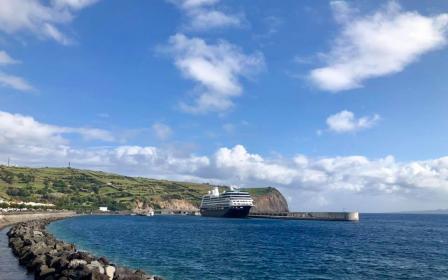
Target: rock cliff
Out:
[268,200]
[142,208]
[178,205]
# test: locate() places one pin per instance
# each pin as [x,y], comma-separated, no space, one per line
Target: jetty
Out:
[320,216]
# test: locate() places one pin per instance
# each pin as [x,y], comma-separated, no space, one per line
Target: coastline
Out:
[48,258]
[14,218]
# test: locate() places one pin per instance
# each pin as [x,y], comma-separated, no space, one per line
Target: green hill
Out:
[87,190]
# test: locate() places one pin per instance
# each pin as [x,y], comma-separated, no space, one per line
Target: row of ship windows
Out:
[239,200]
[227,202]
[226,197]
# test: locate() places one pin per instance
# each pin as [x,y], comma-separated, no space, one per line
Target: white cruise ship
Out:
[229,204]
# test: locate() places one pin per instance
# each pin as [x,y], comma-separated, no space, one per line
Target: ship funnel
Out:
[215,191]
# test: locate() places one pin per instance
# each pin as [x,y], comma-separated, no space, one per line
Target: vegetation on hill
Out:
[84,189]
[77,189]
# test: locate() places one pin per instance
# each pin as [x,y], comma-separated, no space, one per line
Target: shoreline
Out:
[14,218]
[49,258]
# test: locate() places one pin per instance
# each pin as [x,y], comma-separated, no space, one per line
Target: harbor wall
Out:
[9,219]
[326,216]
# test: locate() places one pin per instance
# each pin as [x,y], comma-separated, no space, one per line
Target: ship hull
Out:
[226,212]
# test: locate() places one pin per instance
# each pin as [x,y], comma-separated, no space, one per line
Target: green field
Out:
[77,189]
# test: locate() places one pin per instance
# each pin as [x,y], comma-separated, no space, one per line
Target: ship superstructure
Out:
[231,204]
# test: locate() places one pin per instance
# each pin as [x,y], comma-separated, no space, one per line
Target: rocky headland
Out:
[270,201]
[49,258]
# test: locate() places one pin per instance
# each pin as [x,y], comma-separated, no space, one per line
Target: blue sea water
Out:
[380,246]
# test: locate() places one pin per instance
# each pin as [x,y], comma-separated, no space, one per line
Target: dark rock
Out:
[79,273]
[45,272]
[27,258]
[36,263]
[103,261]
[81,256]
[96,275]
[59,263]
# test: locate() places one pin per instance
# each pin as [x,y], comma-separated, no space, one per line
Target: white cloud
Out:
[73,4]
[237,163]
[40,19]
[25,131]
[12,81]
[6,59]
[190,4]
[215,68]
[376,45]
[162,131]
[310,183]
[345,121]
[204,16]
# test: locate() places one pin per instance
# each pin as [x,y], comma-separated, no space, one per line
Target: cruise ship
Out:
[229,204]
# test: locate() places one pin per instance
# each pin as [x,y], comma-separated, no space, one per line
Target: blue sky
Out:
[338,104]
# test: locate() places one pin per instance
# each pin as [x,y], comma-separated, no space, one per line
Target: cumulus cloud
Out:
[25,131]
[350,174]
[28,141]
[345,121]
[316,182]
[239,164]
[162,131]
[203,15]
[39,18]
[378,44]
[216,69]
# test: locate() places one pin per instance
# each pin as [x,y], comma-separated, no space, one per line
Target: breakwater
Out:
[7,219]
[322,216]
[49,258]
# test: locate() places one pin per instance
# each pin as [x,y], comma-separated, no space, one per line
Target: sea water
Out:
[380,246]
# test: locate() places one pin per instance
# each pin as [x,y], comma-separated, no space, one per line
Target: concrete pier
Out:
[323,216]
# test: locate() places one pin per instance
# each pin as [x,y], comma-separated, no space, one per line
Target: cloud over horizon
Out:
[29,142]
[378,44]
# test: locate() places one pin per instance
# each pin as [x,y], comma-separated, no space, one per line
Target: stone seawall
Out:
[51,259]
[14,218]
[322,216]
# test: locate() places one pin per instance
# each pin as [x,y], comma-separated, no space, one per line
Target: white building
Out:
[103,209]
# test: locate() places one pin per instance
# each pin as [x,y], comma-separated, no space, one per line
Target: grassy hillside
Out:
[84,189]
[73,188]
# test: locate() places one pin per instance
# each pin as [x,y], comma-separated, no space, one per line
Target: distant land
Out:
[86,190]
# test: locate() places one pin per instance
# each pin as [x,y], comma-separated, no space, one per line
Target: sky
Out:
[340,105]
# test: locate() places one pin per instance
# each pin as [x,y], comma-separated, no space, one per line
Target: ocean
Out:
[380,246]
